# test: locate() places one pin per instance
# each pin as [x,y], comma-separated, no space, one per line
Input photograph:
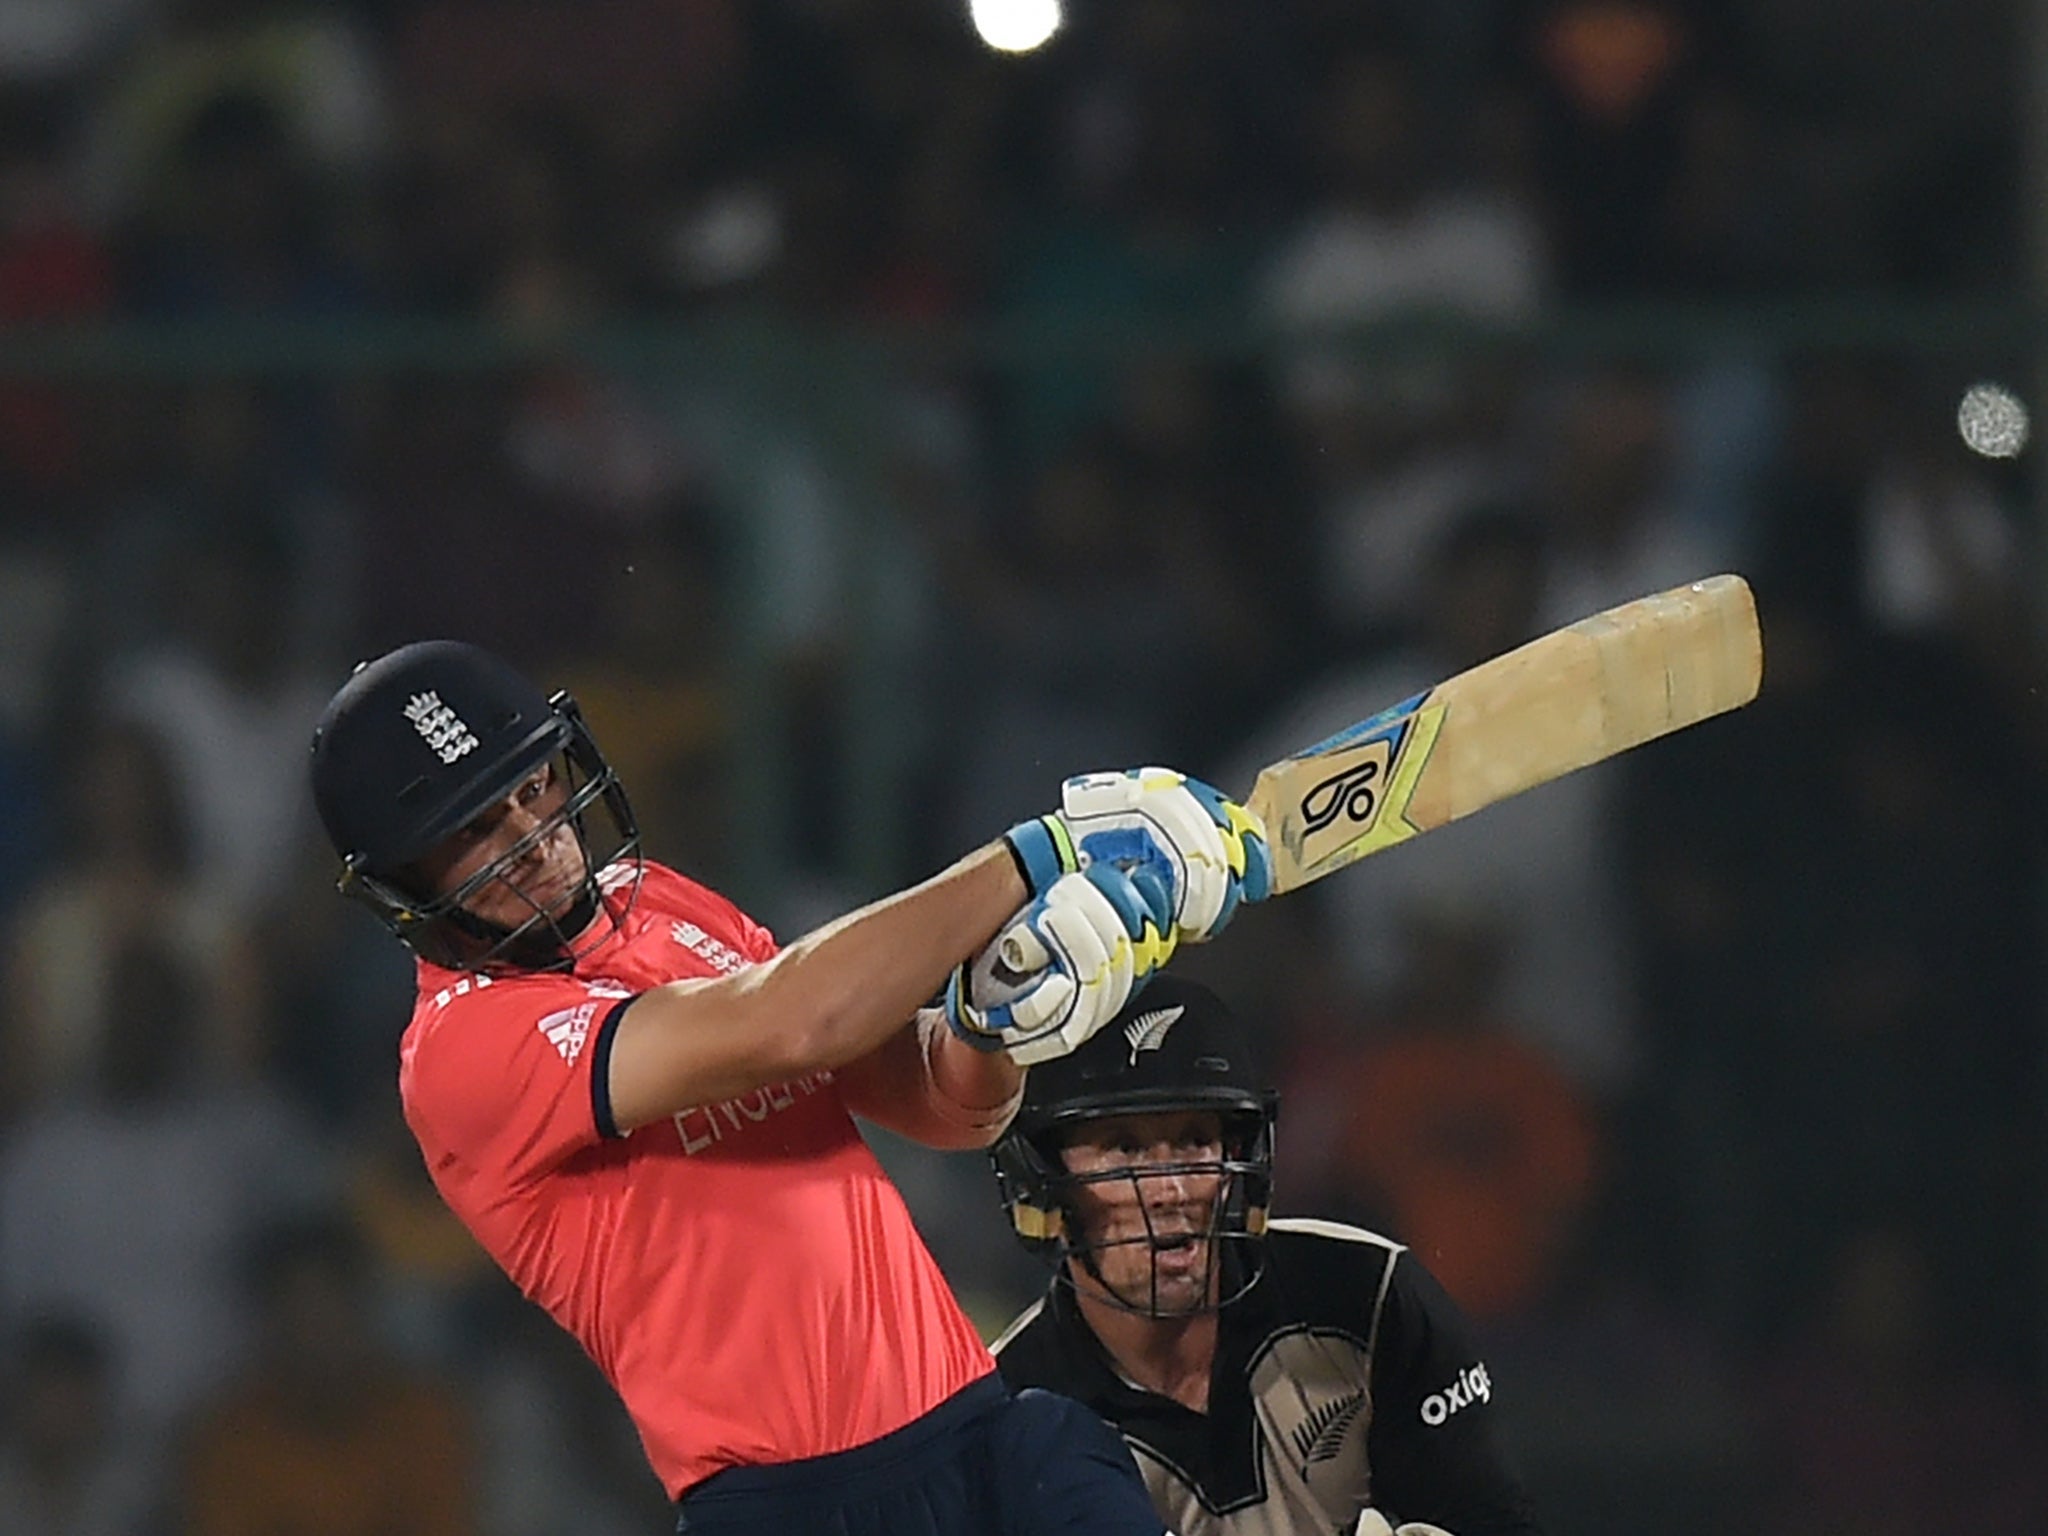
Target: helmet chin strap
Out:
[542,942]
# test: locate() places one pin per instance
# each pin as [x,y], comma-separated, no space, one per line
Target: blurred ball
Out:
[1992,421]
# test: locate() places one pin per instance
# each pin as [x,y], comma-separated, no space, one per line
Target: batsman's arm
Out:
[830,998]
[838,994]
[931,1086]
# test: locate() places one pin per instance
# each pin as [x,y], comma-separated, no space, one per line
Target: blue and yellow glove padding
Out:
[1245,851]
[1209,851]
[1044,851]
[1065,965]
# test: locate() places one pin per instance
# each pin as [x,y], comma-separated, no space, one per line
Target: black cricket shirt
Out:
[1344,1378]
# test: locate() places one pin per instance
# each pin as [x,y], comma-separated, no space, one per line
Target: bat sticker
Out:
[1357,808]
[1348,793]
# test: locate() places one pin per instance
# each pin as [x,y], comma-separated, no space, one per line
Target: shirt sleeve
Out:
[756,941]
[1434,1443]
[512,1080]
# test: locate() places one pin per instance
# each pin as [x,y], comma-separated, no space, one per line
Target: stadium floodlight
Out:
[1015,26]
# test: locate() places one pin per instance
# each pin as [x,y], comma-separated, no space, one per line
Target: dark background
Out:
[872,429]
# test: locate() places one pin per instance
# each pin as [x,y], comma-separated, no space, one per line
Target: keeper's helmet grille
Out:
[1174,1048]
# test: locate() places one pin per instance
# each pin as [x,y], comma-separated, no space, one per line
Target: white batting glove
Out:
[1208,852]
[1372,1523]
[1063,967]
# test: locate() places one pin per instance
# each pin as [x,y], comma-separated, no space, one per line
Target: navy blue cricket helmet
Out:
[416,745]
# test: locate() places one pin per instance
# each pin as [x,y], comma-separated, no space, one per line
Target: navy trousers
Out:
[983,1463]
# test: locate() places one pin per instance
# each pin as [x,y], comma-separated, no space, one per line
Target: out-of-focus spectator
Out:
[326,1434]
[1733,217]
[1613,84]
[591,58]
[68,1465]
[54,266]
[655,691]
[127,1204]
[432,1272]
[1135,218]
[337,1001]
[1479,1150]
[232,703]
[1214,491]
[1875,1425]
[237,225]
[585,438]
[1396,441]
[67,41]
[125,880]
[1085,566]
[431,471]
[1895,999]
[223,491]
[307,68]
[1604,492]
[1391,475]
[555,1449]
[1391,233]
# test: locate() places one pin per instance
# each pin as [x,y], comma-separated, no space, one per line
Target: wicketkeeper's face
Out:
[533,853]
[1145,1201]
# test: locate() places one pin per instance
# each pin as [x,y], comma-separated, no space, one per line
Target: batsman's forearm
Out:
[831,998]
[932,1087]
[974,1092]
[843,989]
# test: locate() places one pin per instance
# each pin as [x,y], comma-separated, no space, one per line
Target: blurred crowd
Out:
[871,429]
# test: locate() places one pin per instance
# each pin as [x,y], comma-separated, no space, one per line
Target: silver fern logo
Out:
[1147,1032]
[1320,1436]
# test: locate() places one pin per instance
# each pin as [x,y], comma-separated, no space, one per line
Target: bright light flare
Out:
[1993,421]
[1015,26]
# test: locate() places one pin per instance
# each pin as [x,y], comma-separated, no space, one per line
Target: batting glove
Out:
[1064,966]
[1209,851]
[1372,1523]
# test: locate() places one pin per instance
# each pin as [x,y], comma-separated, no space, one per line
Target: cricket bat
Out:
[1573,697]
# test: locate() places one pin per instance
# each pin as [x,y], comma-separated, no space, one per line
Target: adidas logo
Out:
[1147,1032]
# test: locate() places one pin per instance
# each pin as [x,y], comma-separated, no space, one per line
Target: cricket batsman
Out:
[643,1106]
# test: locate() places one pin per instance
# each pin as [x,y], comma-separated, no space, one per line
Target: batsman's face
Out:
[539,867]
[1148,1211]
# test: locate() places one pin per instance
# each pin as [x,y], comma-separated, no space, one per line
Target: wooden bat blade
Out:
[1565,700]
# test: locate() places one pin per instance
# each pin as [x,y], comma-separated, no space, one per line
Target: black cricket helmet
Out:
[1175,1047]
[416,745]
